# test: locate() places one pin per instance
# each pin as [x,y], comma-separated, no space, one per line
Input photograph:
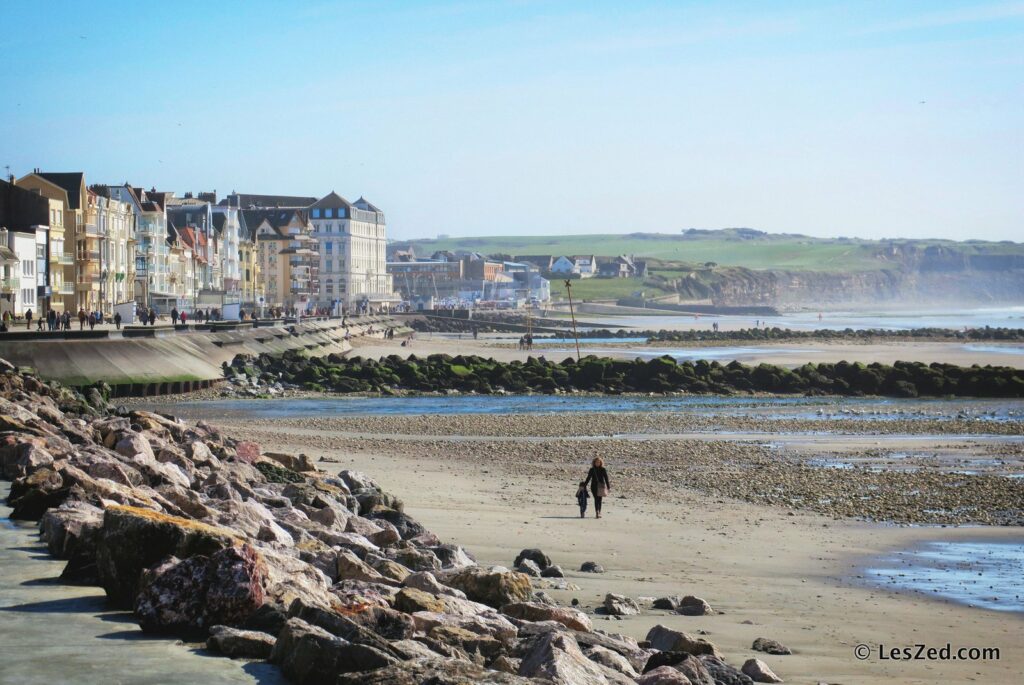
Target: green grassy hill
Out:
[727,247]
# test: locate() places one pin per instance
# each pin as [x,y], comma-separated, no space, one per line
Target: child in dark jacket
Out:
[582,496]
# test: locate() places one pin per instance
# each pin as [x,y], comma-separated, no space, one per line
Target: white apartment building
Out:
[227,230]
[353,254]
[115,221]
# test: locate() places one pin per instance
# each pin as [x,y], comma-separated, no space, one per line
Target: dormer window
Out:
[316,213]
[329,213]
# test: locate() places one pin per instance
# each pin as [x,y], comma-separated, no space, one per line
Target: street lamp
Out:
[572,315]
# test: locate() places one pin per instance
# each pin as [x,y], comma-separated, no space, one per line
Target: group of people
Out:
[600,487]
[525,342]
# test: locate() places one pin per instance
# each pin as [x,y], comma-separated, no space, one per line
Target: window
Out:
[329,246]
[28,296]
[328,213]
[316,213]
[28,267]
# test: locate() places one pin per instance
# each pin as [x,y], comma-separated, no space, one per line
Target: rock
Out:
[552,571]
[433,672]
[769,646]
[240,644]
[536,556]
[350,567]
[533,611]
[759,671]
[452,556]
[426,581]
[723,673]
[495,625]
[529,567]
[693,606]
[668,640]
[191,595]
[556,657]
[415,559]
[466,640]
[491,587]
[391,570]
[132,539]
[667,603]
[132,444]
[591,567]
[291,462]
[411,600]
[687,664]
[612,660]
[71,527]
[307,653]
[663,675]
[620,605]
[247,452]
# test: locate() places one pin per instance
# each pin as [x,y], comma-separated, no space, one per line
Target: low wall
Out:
[173,360]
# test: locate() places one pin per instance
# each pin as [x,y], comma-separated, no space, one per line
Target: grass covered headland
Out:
[442,372]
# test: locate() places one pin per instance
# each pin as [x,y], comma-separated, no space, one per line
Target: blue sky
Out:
[874,119]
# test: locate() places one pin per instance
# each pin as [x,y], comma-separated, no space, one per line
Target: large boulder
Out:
[535,611]
[556,657]
[663,675]
[493,587]
[240,644]
[133,539]
[620,605]
[692,667]
[308,654]
[770,646]
[191,595]
[536,556]
[668,640]
[759,672]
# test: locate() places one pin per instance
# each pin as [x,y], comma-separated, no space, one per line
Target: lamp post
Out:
[572,315]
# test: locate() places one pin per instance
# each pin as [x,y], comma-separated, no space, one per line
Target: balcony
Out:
[63,258]
[89,255]
[9,285]
[66,288]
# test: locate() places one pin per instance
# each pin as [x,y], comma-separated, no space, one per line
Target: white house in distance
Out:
[353,254]
[584,265]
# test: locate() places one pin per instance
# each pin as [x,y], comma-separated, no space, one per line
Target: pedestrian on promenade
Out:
[28,319]
[81,318]
[151,316]
[51,319]
[92,320]
[41,322]
[65,321]
[184,318]
[174,316]
[117,320]
[599,483]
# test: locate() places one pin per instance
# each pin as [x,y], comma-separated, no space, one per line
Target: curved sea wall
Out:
[173,360]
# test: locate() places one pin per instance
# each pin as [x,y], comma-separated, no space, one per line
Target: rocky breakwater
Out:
[442,372]
[264,557]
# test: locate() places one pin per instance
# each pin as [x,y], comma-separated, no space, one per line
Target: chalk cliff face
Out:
[932,275]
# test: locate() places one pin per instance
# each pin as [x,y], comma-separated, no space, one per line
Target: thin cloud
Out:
[968,15]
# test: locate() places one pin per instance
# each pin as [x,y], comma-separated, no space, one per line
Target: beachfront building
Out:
[248,266]
[289,263]
[584,265]
[151,285]
[116,221]
[24,219]
[352,248]
[68,190]
[226,232]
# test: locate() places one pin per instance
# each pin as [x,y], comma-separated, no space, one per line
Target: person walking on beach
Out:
[581,498]
[600,486]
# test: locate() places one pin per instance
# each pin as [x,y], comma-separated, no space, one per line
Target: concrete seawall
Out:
[174,361]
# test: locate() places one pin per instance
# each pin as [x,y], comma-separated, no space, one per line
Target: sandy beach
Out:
[771,571]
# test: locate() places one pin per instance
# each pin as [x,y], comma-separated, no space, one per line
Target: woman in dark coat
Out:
[600,486]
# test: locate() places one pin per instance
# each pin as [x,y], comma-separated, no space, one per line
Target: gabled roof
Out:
[363,203]
[252,200]
[331,201]
[70,181]
[219,219]
[275,217]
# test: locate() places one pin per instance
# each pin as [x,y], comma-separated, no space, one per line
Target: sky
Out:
[866,119]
